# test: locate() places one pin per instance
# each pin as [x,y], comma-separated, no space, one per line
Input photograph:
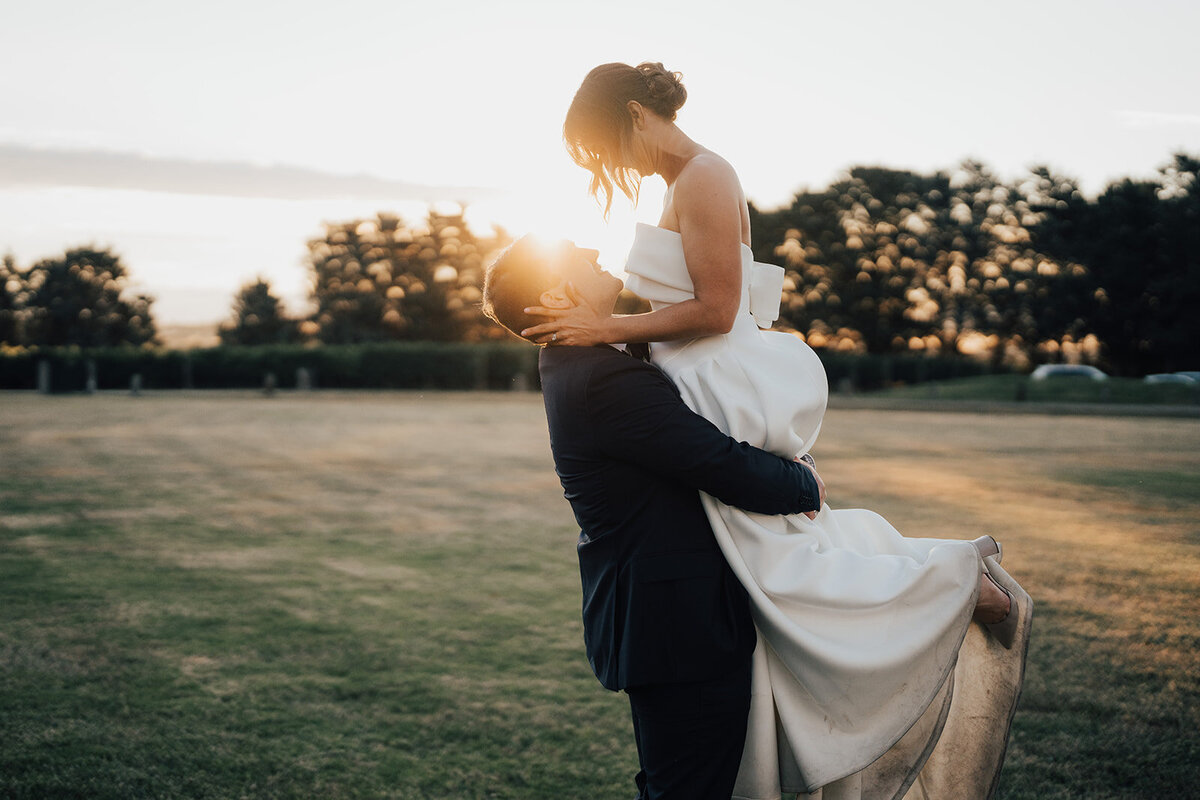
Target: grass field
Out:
[375,594]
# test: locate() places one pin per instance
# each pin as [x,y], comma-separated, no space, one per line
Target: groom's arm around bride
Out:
[660,602]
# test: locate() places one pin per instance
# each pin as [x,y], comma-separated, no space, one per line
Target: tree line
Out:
[1019,273]
[883,261]
[379,280]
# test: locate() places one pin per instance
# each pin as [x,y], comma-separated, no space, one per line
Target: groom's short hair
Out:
[515,281]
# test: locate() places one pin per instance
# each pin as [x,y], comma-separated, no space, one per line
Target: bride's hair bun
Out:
[598,130]
[666,90]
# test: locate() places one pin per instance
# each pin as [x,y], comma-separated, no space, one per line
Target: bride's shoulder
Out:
[705,172]
[707,164]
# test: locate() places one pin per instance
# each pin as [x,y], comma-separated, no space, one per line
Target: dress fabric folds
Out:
[860,628]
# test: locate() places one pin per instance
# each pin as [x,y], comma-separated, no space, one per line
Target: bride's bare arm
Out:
[708,210]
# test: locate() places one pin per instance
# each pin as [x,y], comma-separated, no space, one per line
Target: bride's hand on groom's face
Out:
[580,325]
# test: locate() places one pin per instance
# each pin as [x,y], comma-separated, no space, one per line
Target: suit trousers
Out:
[690,736]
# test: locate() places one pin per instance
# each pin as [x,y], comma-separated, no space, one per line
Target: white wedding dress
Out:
[860,628]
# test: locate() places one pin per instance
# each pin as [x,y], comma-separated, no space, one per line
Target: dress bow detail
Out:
[766,292]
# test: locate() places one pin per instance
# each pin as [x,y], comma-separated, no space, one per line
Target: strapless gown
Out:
[861,630]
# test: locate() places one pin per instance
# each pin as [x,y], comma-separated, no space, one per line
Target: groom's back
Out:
[660,604]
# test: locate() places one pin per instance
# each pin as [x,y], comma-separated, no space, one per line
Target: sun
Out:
[554,207]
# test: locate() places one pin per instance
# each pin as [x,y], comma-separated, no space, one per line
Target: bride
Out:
[869,679]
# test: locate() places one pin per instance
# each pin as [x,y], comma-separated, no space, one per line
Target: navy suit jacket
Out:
[660,603]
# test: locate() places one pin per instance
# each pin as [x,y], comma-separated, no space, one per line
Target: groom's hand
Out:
[820,485]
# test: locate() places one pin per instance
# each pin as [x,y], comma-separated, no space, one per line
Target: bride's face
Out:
[626,149]
[622,156]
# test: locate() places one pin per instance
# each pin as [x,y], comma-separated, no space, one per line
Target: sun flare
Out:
[553,209]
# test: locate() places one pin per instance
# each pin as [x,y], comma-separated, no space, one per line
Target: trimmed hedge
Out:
[390,365]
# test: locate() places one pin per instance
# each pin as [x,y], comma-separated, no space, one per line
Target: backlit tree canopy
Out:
[77,299]
[11,288]
[882,261]
[888,260]
[382,279]
[258,318]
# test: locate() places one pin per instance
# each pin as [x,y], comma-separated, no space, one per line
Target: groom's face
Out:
[594,286]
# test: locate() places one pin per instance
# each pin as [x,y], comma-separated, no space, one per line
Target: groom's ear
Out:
[556,297]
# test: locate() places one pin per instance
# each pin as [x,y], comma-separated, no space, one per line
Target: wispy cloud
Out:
[25,166]
[1157,119]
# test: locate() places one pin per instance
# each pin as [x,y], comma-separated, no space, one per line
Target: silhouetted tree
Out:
[889,260]
[1141,241]
[1070,301]
[12,285]
[76,299]
[258,318]
[381,279]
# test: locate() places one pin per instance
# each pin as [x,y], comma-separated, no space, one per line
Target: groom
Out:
[665,619]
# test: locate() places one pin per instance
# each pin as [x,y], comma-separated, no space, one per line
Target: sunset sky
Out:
[206,142]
